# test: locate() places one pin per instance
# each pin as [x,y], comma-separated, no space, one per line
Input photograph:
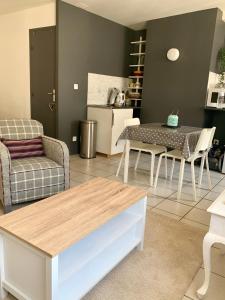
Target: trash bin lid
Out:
[89,121]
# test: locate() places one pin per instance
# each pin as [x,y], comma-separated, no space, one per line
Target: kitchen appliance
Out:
[113,92]
[216,97]
[172,120]
[120,100]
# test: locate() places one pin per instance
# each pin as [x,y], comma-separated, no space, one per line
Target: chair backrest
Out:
[212,136]
[20,129]
[131,122]
[205,140]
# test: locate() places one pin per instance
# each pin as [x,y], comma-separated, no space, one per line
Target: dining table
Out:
[183,138]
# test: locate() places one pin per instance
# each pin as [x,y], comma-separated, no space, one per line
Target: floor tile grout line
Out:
[168,213]
[217,274]
[188,297]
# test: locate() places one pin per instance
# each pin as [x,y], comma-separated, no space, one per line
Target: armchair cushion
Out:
[35,178]
[24,148]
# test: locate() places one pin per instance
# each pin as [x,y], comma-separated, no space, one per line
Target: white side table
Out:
[216,234]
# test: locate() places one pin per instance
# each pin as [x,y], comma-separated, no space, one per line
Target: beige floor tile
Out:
[186,298]
[218,189]
[165,213]
[174,207]
[222,182]
[216,289]
[105,166]
[162,192]
[187,189]
[216,175]
[139,185]
[212,196]
[185,199]
[99,172]
[74,183]
[114,177]
[198,215]
[204,204]
[154,200]
[195,224]
[218,261]
[79,177]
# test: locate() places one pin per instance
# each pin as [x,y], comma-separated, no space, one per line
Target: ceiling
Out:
[134,13]
[131,13]
[9,6]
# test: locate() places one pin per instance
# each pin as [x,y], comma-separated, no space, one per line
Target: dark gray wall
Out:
[179,85]
[218,41]
[85,43]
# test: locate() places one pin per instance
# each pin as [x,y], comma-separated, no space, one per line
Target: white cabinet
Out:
[110,124]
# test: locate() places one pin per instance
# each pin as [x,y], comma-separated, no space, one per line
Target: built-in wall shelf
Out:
[134,66]
[136,99]
[138,42]
[137,54]
[135,76]
[214,108]
[135,86]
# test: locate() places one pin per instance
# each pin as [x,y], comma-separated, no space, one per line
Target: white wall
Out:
[14,58]
[99,93]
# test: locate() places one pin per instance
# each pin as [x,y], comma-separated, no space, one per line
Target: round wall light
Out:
[173,54]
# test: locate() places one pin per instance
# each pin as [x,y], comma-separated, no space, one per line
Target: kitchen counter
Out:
[112,106]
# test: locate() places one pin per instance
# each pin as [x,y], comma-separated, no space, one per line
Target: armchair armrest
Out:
[57,151]
[5,165]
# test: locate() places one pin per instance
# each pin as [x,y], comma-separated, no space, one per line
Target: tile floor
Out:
[163,201]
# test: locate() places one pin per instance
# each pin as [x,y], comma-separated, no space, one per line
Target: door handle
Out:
[53,95]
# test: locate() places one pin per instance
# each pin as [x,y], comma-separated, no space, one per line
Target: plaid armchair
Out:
[28,179]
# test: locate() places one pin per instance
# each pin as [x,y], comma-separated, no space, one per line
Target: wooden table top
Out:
[54,224]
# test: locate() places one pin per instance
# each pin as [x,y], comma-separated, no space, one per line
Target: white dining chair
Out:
[205,160]
[142,147]
[201,149]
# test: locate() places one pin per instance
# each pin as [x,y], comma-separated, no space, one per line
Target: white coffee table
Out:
[60,247]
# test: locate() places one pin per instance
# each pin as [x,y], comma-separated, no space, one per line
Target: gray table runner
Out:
[183,138]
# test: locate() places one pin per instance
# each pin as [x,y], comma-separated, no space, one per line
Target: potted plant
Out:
[221,67]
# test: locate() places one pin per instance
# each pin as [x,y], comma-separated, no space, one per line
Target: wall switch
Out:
[76,86]
[74,139]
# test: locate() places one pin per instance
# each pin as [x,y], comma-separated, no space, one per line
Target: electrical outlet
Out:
[76,86]
[74,139]
[216,142]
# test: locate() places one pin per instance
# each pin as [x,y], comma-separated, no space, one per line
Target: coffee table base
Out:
[28,273]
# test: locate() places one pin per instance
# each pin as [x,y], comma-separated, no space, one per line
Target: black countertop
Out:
[112,106]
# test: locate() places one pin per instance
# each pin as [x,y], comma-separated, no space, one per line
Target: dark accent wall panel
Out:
[218,41]
[86,43]
[179,85]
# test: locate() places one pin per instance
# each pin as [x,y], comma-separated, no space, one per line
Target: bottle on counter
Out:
[120,99]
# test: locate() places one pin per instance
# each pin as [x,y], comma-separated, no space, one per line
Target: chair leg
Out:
[120,163]
[166,173]
[181,176]
[137,160]
[157,172]
[193,179]
[201,171]
[208,171]
[152,169]
[172,169]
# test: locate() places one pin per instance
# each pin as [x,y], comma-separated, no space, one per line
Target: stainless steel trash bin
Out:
[88,130]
